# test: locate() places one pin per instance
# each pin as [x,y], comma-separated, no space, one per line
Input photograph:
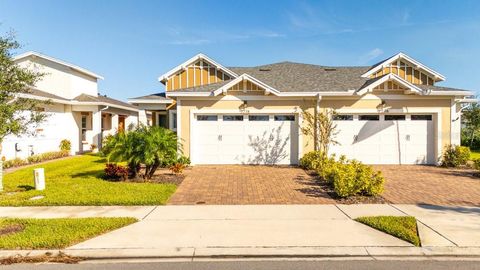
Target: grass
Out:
[474,154]
[404,228]
[56,233]
[78,181]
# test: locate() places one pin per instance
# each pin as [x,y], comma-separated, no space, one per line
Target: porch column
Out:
[97,128]
[142,117]
[115,123]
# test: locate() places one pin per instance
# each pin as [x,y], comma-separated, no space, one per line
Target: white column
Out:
[115,123]
[455,126]
[142,117]
[97,128]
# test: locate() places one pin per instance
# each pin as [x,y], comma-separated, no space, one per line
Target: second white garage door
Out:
[386,139]
[245,139]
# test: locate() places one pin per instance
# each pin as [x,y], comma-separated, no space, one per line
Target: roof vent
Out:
[329,69]
[265,69]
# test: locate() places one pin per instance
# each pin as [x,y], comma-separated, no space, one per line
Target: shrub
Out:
[14,163]
[308,160]
[65,145]
[184,160]
[115,172]
[177,168]
[348,177]
[455,156]
[476,164]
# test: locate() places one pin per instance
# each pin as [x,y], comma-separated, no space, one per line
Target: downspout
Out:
[317,111]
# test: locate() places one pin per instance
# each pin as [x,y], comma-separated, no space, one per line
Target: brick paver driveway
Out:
[238,184]
[414,184]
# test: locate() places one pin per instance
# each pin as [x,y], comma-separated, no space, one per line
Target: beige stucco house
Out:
[390,113]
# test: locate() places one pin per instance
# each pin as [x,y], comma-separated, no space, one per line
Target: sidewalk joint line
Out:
[336,205]
[418,220]
[150,212]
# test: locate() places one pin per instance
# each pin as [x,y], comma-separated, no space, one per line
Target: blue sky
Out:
[131,43]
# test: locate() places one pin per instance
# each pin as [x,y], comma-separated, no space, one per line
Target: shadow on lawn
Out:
[88,174]
[26,187]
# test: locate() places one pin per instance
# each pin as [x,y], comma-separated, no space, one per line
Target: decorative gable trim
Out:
[411,87]
[245,77]
[418,65]
[163,78]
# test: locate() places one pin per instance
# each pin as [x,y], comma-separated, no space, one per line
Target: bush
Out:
[14,163]
[115,172]
[455,156]
[476,164]
[34,159]
[352,177]
[177,168]
[348,177]
[65,145]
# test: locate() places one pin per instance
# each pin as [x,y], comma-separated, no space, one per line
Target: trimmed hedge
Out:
[34,159]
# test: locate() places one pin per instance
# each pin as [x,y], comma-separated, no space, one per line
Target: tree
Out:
[321,128]
[151,146]
[471,119]
[17,114]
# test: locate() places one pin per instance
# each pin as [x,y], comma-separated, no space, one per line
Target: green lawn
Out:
[404,228]
[474,154]
[56,233]
[78,181]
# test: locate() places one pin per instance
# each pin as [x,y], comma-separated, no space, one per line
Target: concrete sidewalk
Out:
[271,230]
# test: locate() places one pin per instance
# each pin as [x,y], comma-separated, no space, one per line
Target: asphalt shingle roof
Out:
[100,98]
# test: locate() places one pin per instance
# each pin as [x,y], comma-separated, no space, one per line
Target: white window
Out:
[172,120]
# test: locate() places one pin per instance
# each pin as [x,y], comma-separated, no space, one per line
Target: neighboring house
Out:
[388,113]
[75,111]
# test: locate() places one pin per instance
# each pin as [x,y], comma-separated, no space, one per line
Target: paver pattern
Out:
[244,184]
[414,184]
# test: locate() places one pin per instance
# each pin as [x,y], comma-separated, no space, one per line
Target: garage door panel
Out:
[386,142]
[256,141]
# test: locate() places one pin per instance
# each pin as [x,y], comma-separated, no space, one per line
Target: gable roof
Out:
[376,67]
[192,60]
[372,83]
[58,61]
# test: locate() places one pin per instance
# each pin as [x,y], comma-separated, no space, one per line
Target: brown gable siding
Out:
[197,74]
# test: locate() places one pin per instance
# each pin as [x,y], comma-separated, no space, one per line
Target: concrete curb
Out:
[254,252]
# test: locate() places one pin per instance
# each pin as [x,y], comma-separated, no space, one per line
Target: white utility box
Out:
[39,176]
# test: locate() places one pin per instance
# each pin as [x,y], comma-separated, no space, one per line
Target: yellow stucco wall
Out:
[338,103]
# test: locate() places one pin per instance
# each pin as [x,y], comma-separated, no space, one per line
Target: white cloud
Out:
[370,55]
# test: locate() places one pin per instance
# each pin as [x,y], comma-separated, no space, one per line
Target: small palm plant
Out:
[151,146]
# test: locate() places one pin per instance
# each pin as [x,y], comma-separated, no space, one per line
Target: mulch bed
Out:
[164,176]
[47,258]
[11,228]
[358,199]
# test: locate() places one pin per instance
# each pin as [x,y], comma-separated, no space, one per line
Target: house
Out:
[75,110]
[390,113]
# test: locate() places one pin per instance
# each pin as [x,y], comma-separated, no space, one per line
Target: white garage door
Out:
[386,139]
[245,139]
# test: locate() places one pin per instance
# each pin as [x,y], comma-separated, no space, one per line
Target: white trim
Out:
[195,58]
[58,61]
[417,64]
[150,101]
[74,102]
[170,119]
[179,123]
[391,76]
[241,78]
